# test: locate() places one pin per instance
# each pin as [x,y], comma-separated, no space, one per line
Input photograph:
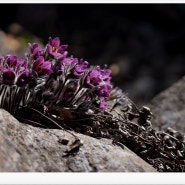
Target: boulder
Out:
[169,107]
[24,148]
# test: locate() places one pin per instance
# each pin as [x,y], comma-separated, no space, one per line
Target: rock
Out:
[11,43]
[24,148]
[5,47]
[169,107]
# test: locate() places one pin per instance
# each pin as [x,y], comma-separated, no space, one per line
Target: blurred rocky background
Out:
[143,44]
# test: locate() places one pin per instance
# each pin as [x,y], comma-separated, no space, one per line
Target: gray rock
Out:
[169,107]
[24,148]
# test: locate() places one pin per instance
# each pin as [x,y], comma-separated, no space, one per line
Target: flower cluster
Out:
[50,76]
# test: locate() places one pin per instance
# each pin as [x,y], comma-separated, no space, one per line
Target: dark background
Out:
[143,44]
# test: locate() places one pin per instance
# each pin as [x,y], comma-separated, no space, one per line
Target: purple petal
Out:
[103,104]
[35,50]
[23,78]
[42,67]
[54,48]
[8,77]
[54,42]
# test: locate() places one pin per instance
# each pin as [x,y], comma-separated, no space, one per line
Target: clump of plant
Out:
[49,88]
[49,76]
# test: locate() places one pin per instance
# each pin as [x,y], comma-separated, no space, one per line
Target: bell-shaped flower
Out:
[105,73]
[24,78]
[41,67]
[8,76]
[13,61]
[104,91]
[54,47]
[67,63]
[93,79]
[79,69]
[35,50]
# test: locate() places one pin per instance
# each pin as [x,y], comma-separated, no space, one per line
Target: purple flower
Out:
[70,81]
[62,63]
[35,50]
[105,73]
[93,79]
[103,104]
[79,69]
[41,67]
[106,86]
[69,61]
[54,47]
[8,76]
[13,61]
[23,78]
[98,78]
[104,91]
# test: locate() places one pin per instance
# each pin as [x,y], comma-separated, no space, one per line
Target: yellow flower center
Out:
[54,49]
[38,69]
[62,63]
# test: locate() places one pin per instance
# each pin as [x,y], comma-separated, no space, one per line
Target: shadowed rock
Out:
[169,107]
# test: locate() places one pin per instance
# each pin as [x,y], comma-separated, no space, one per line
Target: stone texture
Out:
[169,107]
[24,148]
